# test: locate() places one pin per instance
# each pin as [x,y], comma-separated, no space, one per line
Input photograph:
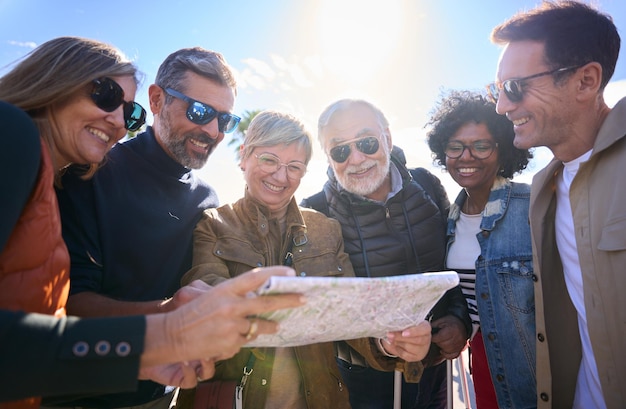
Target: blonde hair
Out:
[271,128]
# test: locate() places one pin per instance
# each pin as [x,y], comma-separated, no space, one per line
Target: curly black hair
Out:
[461,107]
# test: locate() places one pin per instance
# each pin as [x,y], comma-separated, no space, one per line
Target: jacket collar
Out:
[259,215]
[612,128]
[497,203]
[611,131]
[153,151]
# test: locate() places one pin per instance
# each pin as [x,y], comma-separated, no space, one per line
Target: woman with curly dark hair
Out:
[489,244]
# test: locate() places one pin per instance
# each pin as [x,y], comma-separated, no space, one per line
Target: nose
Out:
[466,154]
[356,156]
[116,118]
[280,173]
[212,131]
[504,104]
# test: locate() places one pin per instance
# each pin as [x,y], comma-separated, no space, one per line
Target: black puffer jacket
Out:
[405,235]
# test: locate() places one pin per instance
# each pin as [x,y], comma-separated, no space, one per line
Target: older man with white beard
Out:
[393,223]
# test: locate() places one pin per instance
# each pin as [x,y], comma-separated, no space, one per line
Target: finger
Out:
[269,303]
[253,279]
[451,355]
[205,370]
[199,284]
[189,378]
[421,329]
[409,354]
[258,326]
[252,330]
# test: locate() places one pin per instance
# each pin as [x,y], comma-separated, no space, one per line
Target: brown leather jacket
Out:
[34,265]
[236,238]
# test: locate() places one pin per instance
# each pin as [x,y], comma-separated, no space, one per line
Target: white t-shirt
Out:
[462,257]
[588,388]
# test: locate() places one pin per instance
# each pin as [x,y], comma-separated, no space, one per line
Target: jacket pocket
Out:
[613,237]
[239,255]
[516,283]
[322,264]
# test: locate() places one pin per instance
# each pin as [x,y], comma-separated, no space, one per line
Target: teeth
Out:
[521,121]
[198,143]
[104,137]
[467,170]
[273,187]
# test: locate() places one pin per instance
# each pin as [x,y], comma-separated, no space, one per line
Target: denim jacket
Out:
[504,291]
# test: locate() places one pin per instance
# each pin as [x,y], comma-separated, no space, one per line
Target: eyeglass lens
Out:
[270,163]
[108,95]
[201,114]
[478,149]
[514,88]
[368,146]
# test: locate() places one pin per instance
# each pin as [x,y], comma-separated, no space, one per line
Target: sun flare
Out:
[357,36]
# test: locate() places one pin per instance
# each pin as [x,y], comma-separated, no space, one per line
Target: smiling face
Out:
[85,132]
[475,175]
[273,189]
[188,143]
[361,173]
[547,112]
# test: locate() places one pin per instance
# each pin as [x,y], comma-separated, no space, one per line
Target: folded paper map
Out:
[340,308]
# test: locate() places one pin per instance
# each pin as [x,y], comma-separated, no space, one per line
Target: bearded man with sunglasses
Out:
[393,223]
[129,229]
[555,64]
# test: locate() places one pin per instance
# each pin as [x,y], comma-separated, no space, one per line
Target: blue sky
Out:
[299,56]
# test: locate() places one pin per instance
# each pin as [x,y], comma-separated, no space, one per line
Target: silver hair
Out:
[271,128]
[342,104]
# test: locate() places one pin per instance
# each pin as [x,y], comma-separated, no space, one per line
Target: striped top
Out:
[461,258]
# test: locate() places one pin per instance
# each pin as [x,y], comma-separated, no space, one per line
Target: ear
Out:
[156,96]
[590,79]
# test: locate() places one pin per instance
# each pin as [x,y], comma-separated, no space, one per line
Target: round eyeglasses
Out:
[270,163]
[478,149]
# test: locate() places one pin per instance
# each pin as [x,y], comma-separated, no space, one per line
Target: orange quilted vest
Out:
[34,265]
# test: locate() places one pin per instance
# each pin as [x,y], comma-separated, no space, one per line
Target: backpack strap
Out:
[435,190]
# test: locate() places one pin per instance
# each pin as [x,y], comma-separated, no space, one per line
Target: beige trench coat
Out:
[598,198]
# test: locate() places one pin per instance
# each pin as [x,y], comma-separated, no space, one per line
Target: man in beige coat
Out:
[555,63]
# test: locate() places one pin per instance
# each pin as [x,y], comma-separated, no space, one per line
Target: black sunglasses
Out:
[108,95]
[368,146]
[514,88]
[201,113]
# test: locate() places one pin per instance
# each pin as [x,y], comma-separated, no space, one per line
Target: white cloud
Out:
[260,68]
[295,70]
[248,78]
[25,44]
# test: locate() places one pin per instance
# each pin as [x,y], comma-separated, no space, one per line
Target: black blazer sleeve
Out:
[46,356]
[20,156]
